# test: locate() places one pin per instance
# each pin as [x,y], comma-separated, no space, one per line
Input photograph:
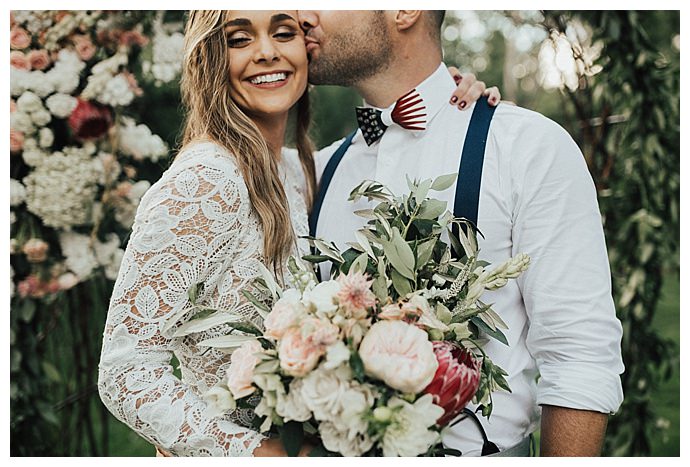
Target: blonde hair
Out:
[212,114]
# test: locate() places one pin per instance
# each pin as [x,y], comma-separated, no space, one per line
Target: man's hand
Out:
[571,432]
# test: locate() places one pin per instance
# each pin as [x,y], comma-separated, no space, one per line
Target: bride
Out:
[232,199]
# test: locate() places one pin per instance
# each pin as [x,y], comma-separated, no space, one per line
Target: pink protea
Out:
[89,120]
[456,379]
[355,294]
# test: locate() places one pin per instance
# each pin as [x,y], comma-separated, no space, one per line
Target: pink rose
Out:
[83,46]
[298,355]
[400,355]
[16,140]
[89,120]
[19,61]
[19,38]
[241,370]
[319,332]
[134,37]
[39,59]
[285,314]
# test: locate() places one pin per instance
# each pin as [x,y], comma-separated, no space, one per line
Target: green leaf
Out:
[360,264]
[496,334]
[292,436]
[27,310]
[51,372]
[400,283]
[432,209]
[315,258]
[193,292]
[444,182]
[424,252]
[357,366]
[422,190]
[400,255]
[260,306]
[226,342]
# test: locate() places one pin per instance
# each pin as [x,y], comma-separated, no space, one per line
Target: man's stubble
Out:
[353,55]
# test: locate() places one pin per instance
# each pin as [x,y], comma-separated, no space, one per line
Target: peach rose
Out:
[241,371]
[84,47]
[16,140]
[39,59]
[400,355]
[19,38]
[13,106]
[285,313]
[19,61]
[320,332]
[298,355]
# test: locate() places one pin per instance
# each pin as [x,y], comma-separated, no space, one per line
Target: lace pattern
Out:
[195,225]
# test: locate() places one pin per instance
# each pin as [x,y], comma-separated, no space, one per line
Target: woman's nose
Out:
[266,51]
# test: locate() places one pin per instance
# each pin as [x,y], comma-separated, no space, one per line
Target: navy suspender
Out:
[326,180]
[470,172]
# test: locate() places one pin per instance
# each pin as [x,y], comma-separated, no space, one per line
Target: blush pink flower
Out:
[19,60]
[36,250]
[83,46]
[319,332]
[16,140]
[39,59]
[241,371]
[298,354]
[355,294]
[456,379]
[19,38]
[399,354]
[284,314]
[13,105]
[133,37]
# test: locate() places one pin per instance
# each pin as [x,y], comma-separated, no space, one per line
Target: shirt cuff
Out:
[583,386]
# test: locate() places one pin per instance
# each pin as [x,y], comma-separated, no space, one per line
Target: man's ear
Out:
[405,19]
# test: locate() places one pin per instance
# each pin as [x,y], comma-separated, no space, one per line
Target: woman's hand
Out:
[274,448]
[469,90]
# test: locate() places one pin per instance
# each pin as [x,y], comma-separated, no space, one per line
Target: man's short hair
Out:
[435,20]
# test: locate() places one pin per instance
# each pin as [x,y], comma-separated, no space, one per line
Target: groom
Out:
[534,196]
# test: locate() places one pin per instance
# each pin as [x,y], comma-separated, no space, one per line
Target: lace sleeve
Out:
[189,227]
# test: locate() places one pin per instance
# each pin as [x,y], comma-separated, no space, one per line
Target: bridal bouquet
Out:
[384,355]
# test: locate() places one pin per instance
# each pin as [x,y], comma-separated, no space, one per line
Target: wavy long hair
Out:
[212,114]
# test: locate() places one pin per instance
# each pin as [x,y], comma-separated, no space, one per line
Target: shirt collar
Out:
[435,91]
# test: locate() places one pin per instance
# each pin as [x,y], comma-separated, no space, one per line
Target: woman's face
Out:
[268,60]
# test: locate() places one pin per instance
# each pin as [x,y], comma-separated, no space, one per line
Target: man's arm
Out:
[571,432]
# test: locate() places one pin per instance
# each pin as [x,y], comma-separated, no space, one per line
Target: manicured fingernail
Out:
[457,78]
[463,104]
[492,100]
[453,99]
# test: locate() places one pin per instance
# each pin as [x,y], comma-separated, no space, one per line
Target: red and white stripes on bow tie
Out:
[410,112]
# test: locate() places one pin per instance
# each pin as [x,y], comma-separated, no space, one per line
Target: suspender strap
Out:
[472,161]
[326,180]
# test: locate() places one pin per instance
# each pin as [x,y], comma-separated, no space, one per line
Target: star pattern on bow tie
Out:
[409,113]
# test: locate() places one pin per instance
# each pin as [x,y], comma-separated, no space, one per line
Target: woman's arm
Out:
[186,227]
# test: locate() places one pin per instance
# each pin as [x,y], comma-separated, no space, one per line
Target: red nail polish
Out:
[463,104]
[454,99]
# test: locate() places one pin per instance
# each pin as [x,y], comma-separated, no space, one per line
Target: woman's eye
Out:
[237,41]
[286,35]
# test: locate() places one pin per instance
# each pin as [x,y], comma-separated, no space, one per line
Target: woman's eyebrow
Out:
[238,22]
[281,17]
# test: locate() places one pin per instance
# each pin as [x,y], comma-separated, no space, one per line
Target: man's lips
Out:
[310,43]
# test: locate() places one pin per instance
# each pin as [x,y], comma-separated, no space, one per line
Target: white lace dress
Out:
[195,225]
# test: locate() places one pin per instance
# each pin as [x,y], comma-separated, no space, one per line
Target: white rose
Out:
[45,137]
[41,117]
[39,83]
[29,102]
[219,400]
[400,355]
[293,406]
[17,192]
[408,435]
[323,391]
[336,440]
[18,79]
[336,354]
[21,121]
[61,105]
[322,298]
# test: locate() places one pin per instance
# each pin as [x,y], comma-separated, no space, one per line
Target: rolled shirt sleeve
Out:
[573,334]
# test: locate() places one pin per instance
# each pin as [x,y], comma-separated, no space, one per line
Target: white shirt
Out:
[538,198]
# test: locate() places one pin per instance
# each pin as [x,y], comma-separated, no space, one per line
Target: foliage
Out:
[629,115]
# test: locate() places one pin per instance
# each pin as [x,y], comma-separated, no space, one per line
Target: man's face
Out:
[345,47]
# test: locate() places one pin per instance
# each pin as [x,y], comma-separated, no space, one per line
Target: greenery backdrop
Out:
[611,78]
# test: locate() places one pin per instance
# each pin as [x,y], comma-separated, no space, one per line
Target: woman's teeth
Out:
[272,78]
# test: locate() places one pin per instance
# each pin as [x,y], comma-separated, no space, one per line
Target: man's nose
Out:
[308,19]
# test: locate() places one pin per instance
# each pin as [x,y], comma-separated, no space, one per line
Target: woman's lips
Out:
[270,85]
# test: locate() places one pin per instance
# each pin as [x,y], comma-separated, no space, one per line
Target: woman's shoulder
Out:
[204,152]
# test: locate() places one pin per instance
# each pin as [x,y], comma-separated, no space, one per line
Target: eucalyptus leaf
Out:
[400,283]
[226,342]
[444,182]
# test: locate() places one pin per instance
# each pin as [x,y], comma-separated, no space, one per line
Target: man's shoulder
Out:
[522,122]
